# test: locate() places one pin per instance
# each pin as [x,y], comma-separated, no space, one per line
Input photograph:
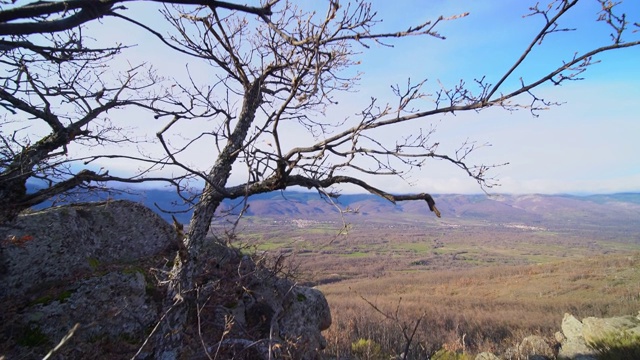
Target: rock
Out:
[579,336]
[595,329]
[305,314]
[572,343]
[84,264]
[535,348]
[91,264]
[279,310]
[112,308]
[511,354]
[576,350]
[571,327]
[70,240]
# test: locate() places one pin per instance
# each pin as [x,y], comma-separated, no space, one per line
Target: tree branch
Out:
[87,10]
[275,183]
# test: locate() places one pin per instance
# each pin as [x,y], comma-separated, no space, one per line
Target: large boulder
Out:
[535,347]
[572,342]
[259,315]
[595,329]
[304,314]
[46,247]
[581,338]
[81,270]
[95,271]
[579,341]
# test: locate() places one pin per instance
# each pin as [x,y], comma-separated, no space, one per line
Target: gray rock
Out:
[305,314]
[578,335]
[80,264]
[573,349]
[90,265]
[572,343]
[282,312]
[535,348]
[70,240]
[511,354]
[571,327]
[111,307]
[595,328]
[576,350]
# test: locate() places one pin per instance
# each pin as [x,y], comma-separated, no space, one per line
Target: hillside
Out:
[492,270]
[619,212]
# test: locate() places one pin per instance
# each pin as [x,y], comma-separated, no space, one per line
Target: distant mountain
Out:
[620,212]
[608,210]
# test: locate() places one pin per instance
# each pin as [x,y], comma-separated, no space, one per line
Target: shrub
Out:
[366,349]
[443,354]
[618,346]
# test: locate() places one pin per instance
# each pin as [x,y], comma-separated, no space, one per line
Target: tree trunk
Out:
[13,177]
[180,300]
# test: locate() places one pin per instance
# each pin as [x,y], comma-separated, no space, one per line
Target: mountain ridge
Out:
[610,210]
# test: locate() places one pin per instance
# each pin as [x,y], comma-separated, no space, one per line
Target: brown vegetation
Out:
[474,286]
[481,309]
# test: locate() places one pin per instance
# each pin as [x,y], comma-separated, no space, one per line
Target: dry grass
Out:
[473,286]
[492,308]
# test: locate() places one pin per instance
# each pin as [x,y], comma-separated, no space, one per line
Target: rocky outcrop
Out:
[46,247]
[573,344]
[580,340]
[95,271]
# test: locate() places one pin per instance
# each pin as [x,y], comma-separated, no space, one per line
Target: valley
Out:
[486,274]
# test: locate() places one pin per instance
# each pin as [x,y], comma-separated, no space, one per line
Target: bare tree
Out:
[73,105]
[286,70]
[53,76]
[276,71]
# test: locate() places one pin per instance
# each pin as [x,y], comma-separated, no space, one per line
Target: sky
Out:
[589,144]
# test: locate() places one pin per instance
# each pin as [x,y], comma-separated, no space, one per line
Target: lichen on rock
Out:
[98,265]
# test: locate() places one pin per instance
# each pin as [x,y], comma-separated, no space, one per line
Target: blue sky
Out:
[587,145]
